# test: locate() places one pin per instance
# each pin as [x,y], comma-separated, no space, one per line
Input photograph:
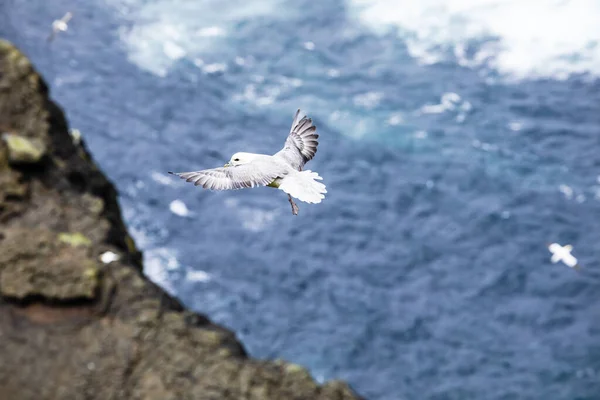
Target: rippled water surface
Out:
[457,138]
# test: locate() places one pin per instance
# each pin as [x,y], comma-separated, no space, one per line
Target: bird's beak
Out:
[227,165]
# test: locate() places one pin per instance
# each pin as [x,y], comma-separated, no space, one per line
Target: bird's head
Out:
[554,247]
[240,159]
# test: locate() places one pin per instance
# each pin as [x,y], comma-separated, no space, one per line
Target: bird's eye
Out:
[236,159]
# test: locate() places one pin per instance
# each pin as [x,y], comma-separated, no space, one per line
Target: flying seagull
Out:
[563,253]
[60,25]
[283,170]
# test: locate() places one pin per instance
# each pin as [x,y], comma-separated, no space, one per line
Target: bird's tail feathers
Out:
[303,186]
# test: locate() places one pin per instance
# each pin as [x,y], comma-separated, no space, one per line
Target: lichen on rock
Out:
[74,239]
[22,150]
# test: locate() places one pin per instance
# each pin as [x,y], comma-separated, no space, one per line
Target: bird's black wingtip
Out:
[172,173]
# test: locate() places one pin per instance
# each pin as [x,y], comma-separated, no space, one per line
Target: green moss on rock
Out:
[23,150]
[74,239]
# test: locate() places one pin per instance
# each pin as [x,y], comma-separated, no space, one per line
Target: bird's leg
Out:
[295,208]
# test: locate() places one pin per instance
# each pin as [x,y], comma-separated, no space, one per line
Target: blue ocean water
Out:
[457,139]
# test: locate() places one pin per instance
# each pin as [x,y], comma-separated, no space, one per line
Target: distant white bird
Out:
[282,170]
[60,25]
[563,253]
[108,257]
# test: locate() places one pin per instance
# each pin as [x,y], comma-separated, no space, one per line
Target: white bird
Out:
[563,253]
[283,170]
[60,25]
[108,257]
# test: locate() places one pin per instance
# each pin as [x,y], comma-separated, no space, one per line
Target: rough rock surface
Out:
[72,327]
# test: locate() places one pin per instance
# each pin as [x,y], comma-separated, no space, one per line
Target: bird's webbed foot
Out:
[295,208]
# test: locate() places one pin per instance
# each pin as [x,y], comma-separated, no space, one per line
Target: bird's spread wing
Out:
[301,144]
[235,177]
[67,17]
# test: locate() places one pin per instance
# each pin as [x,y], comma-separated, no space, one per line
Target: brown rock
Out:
[40,263]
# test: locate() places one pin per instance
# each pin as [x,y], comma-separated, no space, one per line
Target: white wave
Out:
[566,190]
[262,93]
[253,219]
[310,46]
[178,207]
[157,264]
[211,31]
[162,178]
[529,38]
[368,100]
[352,125]
[214,68]
[256,220]
[515,126]
[420,134]
[197,276]
[260,96]
[158,33]
[395,119]
[487,147]
[448,102]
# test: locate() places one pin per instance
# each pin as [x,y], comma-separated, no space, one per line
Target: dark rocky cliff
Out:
[73,327]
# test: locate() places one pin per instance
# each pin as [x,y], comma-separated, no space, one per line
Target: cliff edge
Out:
[74,327]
